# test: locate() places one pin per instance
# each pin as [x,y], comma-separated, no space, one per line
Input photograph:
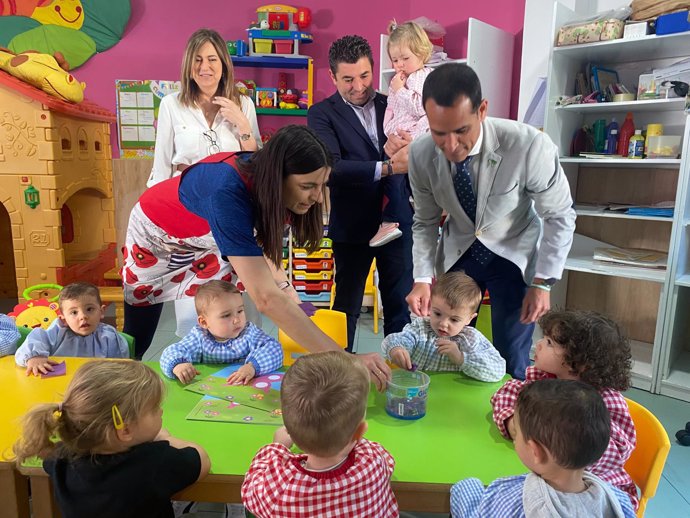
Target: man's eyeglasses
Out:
[212,138]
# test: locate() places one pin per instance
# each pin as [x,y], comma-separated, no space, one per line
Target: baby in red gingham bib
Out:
[323,399]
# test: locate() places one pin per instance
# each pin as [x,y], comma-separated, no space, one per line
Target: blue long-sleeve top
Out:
[60,340]
[9,335]
[199,346]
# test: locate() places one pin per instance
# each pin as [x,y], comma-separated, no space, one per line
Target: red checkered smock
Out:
[610,466]
[277,485]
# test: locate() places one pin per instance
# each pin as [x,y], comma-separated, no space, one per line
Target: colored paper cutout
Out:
[59,369]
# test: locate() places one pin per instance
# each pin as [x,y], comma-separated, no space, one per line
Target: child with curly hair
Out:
[588,347]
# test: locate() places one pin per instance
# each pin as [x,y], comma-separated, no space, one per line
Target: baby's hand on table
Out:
[400,357]
[450,349]
[243,375]
[185,372]
[39,365]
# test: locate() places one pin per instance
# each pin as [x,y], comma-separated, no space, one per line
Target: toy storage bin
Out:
[301,253]
[262,46]
[313,286]
[406,394]
[663,146]
[312,265]
[283,46]
[303,275]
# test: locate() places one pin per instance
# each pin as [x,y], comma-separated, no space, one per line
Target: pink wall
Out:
[153,43]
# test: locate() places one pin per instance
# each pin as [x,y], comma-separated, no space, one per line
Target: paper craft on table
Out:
[214,409]
[259,395]
[59,369]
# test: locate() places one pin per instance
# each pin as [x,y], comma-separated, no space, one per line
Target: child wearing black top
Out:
[113,459]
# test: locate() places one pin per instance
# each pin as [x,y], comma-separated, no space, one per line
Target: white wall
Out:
[537,39]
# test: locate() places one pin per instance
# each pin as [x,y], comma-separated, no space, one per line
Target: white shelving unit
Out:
[644,301]
[489,53]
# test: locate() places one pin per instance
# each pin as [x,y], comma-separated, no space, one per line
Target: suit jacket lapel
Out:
[380,104]
[488,167]
[347,113]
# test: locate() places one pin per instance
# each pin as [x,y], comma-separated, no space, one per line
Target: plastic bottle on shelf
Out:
[636,145]
[612,142]
[613,125]
[627,131]
[599,130]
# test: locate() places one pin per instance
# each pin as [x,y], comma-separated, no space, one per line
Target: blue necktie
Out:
[463,188]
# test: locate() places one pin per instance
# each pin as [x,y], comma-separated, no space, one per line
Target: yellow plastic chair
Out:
[333,323]
[647,460]
[369,289]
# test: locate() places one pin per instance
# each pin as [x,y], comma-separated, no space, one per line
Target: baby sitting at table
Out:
[9,335]
[588,347]
[222,335]
[445,341]
[78,331]
[111,458]
[324,400]
[561,427]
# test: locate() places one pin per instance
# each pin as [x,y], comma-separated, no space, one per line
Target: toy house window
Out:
[65,139]
[67,229]
[98,142]
[83,142]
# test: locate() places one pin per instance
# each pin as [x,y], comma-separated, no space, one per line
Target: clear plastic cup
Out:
[406,394]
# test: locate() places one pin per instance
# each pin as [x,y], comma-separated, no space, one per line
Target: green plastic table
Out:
[456,439]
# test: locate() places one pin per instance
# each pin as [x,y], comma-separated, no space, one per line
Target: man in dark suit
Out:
[350,122]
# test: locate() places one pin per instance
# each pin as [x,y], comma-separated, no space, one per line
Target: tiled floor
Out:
[672,498]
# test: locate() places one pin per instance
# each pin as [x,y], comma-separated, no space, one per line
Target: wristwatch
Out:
[388,168]
[245,136]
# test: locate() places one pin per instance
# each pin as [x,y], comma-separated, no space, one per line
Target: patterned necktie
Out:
[463,188]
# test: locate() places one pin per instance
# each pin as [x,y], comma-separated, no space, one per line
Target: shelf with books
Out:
[651,105]
[645,301]
[581,259]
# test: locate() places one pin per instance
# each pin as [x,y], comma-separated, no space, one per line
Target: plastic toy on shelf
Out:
[279,30]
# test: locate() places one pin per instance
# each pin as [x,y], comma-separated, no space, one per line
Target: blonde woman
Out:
[208,115]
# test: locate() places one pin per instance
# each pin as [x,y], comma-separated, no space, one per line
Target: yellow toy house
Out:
[57,220]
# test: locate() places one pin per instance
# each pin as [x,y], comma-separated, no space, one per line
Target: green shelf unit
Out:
[284,113]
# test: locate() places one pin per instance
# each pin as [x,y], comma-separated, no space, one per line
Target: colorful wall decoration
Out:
[75,28]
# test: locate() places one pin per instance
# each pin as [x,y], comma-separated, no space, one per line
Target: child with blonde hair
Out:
[112,457]
[445,341]
[222,335]
[78,331]
[409,48]
[584,346]
[324,400]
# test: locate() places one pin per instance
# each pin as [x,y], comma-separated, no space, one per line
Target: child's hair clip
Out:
[58,413]
[117,418]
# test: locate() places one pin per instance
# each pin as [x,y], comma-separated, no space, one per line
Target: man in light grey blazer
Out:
[510,219]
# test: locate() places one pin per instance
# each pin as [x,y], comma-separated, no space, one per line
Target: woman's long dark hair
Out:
[291,150]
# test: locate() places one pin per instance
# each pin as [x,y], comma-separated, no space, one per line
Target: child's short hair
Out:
[458,290]
[210,291]
[412,36]
[77,290]
[324,398]
[84,420]
[594,347]
[567,417]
